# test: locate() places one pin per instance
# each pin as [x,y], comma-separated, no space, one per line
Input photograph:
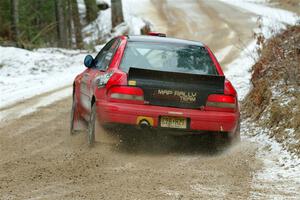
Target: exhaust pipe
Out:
[144,124]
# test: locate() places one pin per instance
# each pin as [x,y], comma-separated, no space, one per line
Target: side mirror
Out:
[89,61]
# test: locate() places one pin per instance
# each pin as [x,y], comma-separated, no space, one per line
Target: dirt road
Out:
[40,160]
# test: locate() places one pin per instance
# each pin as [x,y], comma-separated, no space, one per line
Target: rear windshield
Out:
[168,57]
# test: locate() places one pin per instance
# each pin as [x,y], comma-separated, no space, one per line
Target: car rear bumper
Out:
[198,120]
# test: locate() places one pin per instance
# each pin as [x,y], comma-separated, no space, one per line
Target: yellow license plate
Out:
[173,122]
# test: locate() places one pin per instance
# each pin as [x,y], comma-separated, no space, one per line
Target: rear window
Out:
[168,57]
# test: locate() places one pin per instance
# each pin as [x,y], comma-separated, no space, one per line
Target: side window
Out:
[104,57]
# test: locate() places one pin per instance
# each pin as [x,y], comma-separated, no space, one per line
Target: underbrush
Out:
[274,101]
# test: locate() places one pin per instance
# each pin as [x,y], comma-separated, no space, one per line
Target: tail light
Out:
[217,102]
[126,94]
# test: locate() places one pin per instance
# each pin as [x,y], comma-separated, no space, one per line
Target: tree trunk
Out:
[60,18]
[69,23]
[77,25]
[116,12]
[15,20]
[38,19]
[91,10]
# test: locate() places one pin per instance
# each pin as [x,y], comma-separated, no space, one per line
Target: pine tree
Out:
[40,23]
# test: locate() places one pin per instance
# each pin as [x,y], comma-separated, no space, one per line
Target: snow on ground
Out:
[275,14]
[239,71]
[280,177]
[98,29]
[24,73]
[102,27]
[281,168]
[81,10]
[272,20]
[134,22]
[27,108]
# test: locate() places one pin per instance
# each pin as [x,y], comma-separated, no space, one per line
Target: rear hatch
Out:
[175,89]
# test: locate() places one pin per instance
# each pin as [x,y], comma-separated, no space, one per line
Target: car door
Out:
[101,63]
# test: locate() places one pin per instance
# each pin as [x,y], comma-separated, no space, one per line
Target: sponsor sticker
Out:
[132,82]
[183,96]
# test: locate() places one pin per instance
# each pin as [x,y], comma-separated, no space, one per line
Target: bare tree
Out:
[77,25]
[37,8]
[116,12]
[69,23]
[91,10]
[15,20]
[60,18]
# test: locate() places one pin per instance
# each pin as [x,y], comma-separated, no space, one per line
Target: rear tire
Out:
[92,125]
[237,134]
[231,138]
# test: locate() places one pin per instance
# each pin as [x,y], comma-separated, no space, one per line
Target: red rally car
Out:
[158,82]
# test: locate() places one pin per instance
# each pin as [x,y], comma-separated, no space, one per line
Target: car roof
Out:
[147,38]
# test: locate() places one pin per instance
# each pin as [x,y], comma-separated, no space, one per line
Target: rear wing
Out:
[175,89]
[146,76]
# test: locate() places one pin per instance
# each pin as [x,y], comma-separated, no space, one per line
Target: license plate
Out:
[173,122]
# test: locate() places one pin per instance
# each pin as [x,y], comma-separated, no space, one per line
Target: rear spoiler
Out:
[146,76]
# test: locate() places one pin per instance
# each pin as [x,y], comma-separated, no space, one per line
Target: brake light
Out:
[229,89]
[126,94]
[217,102]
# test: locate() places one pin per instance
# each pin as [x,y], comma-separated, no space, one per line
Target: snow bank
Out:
[280,172]
[280,178]
[239,71]
[100,28]
[24,74]
[272,20]
[133,20]
[275,14]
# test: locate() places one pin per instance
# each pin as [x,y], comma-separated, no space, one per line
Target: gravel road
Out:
[40,160]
